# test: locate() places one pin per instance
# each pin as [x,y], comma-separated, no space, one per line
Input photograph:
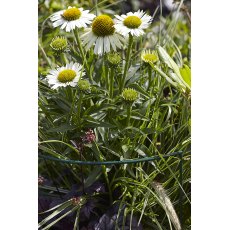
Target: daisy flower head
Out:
[132,23]
[65,75]
[149,56]
[71,18]
[103,35]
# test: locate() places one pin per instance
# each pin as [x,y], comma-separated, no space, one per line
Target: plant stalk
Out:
[127,62]
[79,45]
[105,175]
[44,55]
[150,76]
[79,108]
[129,110]
[112,71]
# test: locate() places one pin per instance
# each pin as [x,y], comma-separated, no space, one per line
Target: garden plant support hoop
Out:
[131,161]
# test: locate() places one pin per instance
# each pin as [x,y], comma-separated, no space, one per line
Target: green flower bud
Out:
[84,85]
[129,95]
[113,58]
[59,44]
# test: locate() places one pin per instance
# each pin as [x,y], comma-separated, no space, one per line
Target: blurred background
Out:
[166,6]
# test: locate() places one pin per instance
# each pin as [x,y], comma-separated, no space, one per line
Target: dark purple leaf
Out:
[104,223]
[88,208]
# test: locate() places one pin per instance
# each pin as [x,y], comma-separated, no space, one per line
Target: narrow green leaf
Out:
[62,128]
[186,74]
[55,213]
[58,219]
[50,151]
[165,58]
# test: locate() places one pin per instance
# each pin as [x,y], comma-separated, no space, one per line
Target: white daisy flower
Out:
[133,23]
[71,18]
[65,75]
[103,35]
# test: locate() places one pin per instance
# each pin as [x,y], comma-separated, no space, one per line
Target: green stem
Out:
[107,182]
[154,117]
[68,93]
[63,59]
[72,106]
[112,71]
[105,174]
[79,45]
[127,62]
[150,76]
[105,73]
[79,107]
[96,8]
[129,109]
[44,55]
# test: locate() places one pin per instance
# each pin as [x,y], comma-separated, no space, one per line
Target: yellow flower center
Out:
[132,22]
[71,14]
[66,75]
[103,26]
[150,58]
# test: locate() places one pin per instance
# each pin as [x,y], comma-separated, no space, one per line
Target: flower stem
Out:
[129,110]
[44,55]
[105,73]
[79,107]
[150,76]
[127,62]
[112,71]
[107,181]
[105,174]
[79,45]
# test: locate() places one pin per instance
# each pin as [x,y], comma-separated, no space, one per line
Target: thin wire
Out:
[128,161]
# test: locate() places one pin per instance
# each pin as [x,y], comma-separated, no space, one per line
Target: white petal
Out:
[119,17]
[111,41]
[91,42]
[101,46]
[130,14]
[52,81]
[54,72]
[58,23]
[106,44]
[55,86]
[117,41]
[96,46]
[73,84]
[71,64]
[68,29]
[64,25]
